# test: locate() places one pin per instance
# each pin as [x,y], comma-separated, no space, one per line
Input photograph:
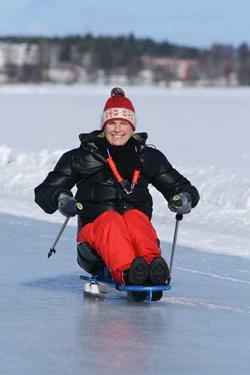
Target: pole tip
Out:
[51,251]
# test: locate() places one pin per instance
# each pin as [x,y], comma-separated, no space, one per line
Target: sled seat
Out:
[89,260]
[87,257]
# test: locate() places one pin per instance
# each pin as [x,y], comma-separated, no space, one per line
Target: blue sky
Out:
[193,22]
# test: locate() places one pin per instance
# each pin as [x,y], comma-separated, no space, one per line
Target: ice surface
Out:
[201,326]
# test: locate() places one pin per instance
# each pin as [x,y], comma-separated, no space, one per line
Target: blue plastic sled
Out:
[96,281]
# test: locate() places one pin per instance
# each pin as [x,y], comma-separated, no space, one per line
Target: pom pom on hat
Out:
[117,91]
[118,107]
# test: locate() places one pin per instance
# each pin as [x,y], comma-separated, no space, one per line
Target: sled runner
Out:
[98,286]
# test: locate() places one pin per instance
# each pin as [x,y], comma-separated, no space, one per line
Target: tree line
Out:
[127,52]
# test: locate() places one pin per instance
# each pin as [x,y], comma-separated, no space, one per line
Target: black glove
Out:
[68,206]
[180,203]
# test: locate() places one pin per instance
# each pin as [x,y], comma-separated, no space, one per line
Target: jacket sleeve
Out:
[61,179]
[165,178]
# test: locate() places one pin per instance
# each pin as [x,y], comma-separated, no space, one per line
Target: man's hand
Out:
[68,206]
[180,203]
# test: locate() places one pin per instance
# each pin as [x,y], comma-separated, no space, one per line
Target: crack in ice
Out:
[214,275]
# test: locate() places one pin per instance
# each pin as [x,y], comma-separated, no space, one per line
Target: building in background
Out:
[120,61]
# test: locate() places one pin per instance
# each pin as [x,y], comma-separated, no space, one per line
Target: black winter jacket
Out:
[98,190]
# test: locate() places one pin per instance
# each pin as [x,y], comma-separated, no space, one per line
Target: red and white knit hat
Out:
[118,107]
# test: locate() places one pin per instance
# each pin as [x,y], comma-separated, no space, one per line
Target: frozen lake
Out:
[200,327]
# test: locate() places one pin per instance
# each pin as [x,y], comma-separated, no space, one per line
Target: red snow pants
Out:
[118,239]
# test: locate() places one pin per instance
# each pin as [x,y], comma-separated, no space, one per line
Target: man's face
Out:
[118,132]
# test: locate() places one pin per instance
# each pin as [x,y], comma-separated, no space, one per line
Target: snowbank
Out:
[20,173]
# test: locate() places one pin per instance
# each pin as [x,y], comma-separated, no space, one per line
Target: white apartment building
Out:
[18,54]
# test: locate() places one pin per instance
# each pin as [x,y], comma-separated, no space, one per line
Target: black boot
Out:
[137,273]
[158,271]
[156,296]
[137,296]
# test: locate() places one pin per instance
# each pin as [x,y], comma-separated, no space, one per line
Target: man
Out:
[112,169]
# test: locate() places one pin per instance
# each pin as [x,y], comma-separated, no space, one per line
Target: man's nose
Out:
[117,127]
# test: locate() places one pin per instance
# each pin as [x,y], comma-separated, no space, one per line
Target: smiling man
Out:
[112,170]
[118,132]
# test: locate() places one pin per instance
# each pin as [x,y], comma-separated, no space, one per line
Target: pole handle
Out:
[179,217]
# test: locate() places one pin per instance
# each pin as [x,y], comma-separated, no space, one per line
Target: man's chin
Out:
[118,142]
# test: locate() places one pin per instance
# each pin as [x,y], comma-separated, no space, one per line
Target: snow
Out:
[201,326]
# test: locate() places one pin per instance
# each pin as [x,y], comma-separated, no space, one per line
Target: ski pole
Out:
[178,218]
[52,249]
[79,208]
